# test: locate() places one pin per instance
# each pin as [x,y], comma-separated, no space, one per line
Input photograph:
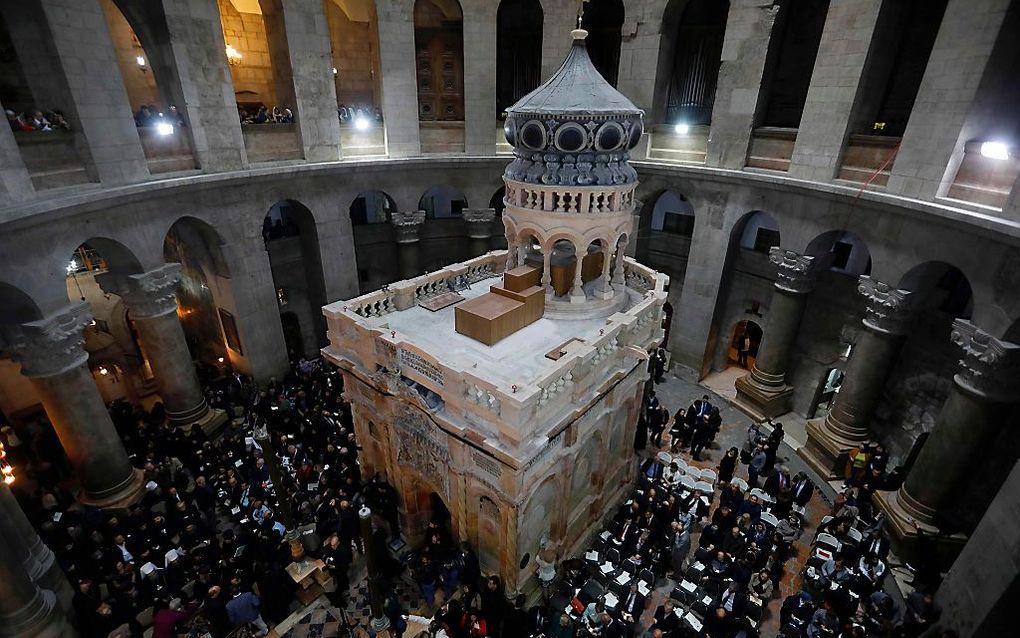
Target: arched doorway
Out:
[292,334]
[603,19]
[692,44]
[292,242]
[744,341]
[790,61]
[439,60]
[441,202]
[518,50]
[372,207]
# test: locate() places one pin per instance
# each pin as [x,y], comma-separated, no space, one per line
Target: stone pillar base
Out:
[900,524]
[760,403]
[42,618]
[212,422]
[127,495]
[825,451]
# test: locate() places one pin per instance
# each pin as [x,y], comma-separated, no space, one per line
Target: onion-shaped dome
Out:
[575,129]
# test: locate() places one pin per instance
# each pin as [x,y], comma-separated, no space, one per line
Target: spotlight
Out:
[71,266]
[220,360]
[361,123]
[682,129]
[995,150]
[335,71]
[141,61]
[103,371]
[165,128]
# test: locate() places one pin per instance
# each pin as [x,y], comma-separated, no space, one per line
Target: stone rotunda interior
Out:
[509,318]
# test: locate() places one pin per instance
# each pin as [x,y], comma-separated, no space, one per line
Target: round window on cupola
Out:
[533,135]
[571,137]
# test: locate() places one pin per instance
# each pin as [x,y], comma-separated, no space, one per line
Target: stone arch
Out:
[354,52]
[16,306]
[759,231]
[496,202]
[114,256]
[672,212]
[372,207]
[540,516]
[442,201]
[941,286]
[439,59]
[840,251]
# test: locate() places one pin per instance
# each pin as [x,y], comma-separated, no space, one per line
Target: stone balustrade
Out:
[505,413]
[583,200]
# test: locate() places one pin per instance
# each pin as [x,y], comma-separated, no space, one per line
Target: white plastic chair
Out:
[741,483]
[703,487]
[769,519]
[664,457]
[709,475]
[855,535]
[689,484]
[828,542]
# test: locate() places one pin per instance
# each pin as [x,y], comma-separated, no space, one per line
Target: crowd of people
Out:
[348,114]
[261,114]
[149,115]
[207,535]
[32,119]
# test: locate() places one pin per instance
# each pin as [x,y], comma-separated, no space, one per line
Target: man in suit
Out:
[665,621]
[875,545]
[632,605]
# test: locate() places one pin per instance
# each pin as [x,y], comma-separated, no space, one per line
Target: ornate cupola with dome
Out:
[570,188]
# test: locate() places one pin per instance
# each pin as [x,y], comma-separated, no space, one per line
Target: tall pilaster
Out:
[51,355]
[26,611]
[844,55]
[479,229]
[308,46]
[40,564]
[764,391]
[933,143]
[745,46]
[86,57]
[480,76]
[406,225]
[395,19]
[872,358]
[989,377]
[151,298]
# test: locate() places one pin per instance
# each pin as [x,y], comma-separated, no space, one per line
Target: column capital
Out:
[52,345]
[794,270]
[406,225]
[479,222]
[888,309]
[990,367]
[148,294]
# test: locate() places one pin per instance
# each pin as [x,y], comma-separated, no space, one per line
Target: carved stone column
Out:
[406,225]
[619,277]
[39,562]
[547,273]
[479,228]
[847,423]
[577,289]
[26,611]
[605,290]
[764,391]
[151,299]
[989,377]
[51,355]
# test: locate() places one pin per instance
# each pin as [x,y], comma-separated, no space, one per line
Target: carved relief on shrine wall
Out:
[422,446]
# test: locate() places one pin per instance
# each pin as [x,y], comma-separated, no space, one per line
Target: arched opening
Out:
[258,57]
[790,61]
[744,295]
[667,322]
[439,60]
[487,535]
[518,50]
[666,230]
[372,207]
[692,44]
[292,242]
[496,202]
[117,358]
[45,126]
[840,251]
[921,379]
[441,202]
[673,214]
[354,49]
[603,19]
[744,341]
[205,297]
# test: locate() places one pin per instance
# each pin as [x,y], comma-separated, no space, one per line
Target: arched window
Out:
[603,19]
[673,214]
[696,57]
[372,207]
[354,49]
[791,60]
[440,202]
[760,233]
[439,59]
[518,51]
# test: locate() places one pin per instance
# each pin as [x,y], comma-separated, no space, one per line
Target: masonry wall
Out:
[355,45]
[253,77]
[138,81]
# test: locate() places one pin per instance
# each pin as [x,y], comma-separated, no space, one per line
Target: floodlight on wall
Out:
[335,71]
[140,60]
[233,56]
[72,266]
[995,150]
[361,123]
[682,129]
[165,128]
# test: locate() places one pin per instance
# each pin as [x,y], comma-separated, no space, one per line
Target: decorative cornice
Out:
[148,294]
[793,269]
[53,345]
[989,367]
[479,222]
[888,309]
[406,225]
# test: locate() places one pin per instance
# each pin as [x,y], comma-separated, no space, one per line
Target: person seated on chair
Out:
[632,605]
[834,571]
[664,620]
[797,608]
